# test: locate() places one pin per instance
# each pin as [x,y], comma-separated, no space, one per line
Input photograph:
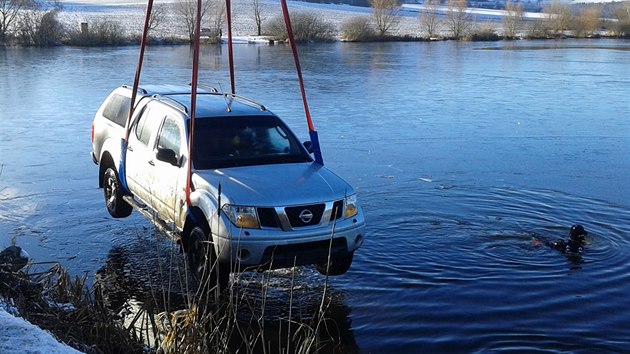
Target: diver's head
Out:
[577,232]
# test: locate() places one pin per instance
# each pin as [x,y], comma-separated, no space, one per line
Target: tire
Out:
[338,265]
[112,189]
[201,259]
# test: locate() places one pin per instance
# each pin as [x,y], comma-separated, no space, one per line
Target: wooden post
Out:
[84,28]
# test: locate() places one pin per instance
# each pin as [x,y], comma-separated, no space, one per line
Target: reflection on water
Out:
[459,156]
[284,310]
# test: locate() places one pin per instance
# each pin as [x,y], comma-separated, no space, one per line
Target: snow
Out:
[476,11]
[130,14]
[20,336]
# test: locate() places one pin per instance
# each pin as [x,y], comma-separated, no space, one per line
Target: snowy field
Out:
[475,11]
[130,14]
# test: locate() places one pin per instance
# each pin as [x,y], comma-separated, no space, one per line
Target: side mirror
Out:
[167,155]
[309,146]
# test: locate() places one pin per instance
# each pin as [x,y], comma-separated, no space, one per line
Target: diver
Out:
[577,239]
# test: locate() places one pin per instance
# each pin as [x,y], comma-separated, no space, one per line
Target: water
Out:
[462,154]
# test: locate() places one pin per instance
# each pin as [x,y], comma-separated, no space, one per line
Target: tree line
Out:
[452,19]
[28,22]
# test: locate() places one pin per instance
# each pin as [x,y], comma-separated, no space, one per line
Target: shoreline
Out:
[124,19]
[130,15]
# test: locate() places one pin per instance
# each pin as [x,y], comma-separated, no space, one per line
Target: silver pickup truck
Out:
[257,198]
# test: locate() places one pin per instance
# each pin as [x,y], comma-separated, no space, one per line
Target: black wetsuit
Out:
[573,245]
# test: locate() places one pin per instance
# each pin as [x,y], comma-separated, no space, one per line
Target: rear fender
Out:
[110,156]
[111,146]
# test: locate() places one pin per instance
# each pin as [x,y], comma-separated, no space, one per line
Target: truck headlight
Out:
[352,207]
[242,216]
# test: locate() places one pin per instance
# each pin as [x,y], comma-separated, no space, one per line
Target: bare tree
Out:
[622,11]
[358,28]
[513,19]
[429,18]
[158,15]
[385,14]
[40,28]
[187,12]
[102,31]
[559,16]
[217,11]
[622,14]
[537,29]
[588,21]
[9,10]
[307,26]
[458,20]
[258,16]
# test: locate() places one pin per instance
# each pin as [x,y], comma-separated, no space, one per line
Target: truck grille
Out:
[305,215]
[299,216]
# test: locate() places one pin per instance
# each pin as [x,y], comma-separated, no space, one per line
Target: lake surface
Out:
[463,154]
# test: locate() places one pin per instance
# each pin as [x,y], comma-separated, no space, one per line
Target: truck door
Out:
[140,156]
[167,176]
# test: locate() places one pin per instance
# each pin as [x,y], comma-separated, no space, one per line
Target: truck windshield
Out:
[244,141]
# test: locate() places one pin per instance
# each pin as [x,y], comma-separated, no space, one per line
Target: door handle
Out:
[151,163]
[129,148]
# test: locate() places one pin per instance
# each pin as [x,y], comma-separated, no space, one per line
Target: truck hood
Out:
[277,185]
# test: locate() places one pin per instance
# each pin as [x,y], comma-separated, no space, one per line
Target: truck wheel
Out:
[338,264]
[202,261]
[113,191]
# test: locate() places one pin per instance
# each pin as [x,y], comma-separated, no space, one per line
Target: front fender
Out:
[219,225]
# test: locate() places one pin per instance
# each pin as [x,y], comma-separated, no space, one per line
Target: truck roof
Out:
[210,102]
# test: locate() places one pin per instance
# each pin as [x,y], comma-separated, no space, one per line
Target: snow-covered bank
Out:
[17,335]
[20,336]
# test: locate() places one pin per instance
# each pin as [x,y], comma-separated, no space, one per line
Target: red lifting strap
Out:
[287,22]
[122,174]
[136,81]
[311,130]
[193,100]
[228,11]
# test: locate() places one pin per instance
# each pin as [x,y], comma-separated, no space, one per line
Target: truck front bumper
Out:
[265,249]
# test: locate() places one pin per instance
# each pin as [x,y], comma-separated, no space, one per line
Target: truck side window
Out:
[147,123]
[170,136]
[117,109]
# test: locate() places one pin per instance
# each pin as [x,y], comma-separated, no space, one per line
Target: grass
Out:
[244,317]
[145,301]
[64,306]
